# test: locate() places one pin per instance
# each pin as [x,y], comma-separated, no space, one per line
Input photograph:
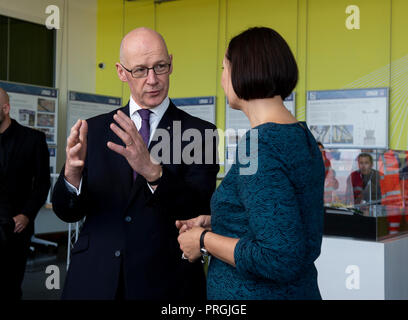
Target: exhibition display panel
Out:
[365,242]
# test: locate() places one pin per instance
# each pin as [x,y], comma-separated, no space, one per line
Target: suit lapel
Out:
[166,123]
[122,169]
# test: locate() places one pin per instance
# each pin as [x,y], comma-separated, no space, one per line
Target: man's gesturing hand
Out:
[76,153]
[135,152]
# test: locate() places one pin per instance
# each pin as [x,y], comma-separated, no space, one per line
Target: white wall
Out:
[29,10]
[76,58]
[75,64]
[75,49]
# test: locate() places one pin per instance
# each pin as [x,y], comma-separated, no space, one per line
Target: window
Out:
[27,52]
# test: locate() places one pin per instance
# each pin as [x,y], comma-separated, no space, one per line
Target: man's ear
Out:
[7,108]
[171,66]
[121,72]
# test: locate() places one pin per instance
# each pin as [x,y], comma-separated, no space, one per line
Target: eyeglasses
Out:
[141,72]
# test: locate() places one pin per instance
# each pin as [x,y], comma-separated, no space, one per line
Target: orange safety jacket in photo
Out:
[390,183]
[404,184]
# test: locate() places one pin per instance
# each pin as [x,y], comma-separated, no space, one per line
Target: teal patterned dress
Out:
[276,212]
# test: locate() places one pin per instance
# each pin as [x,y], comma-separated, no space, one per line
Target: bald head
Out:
[4,110]
[145,49]
[4,97]
[141,41]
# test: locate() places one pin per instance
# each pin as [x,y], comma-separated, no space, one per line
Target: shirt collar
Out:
[158,110]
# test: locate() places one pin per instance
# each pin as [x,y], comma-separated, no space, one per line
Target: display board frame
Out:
[373,119]
[36,107]
[207,104]
[77,101]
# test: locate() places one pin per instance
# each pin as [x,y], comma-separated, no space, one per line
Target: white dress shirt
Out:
[155,117]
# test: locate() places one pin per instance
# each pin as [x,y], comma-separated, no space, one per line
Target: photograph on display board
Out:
[369,139]
[45,120]
[49,134]
[321,133]
[46,105]
[52,152]
[342,134]
[369,127]
[26,117]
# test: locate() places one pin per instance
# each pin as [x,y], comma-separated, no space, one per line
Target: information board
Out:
[200,107]
[237,124]
[353,118]
[87,105]
[35,107]
[236,119]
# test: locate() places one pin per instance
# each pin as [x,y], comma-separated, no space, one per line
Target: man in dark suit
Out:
[24,185]
[129,173]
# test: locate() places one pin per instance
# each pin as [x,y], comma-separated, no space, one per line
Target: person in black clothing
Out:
[24,185]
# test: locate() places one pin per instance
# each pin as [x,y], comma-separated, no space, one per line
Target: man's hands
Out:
[76,153]
[21,222]
[203,221]
[135,152]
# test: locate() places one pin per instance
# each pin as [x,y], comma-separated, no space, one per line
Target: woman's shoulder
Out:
[280,139]
[287,145]
[278,132]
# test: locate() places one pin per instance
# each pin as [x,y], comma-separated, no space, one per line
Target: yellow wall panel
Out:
[399,76]
[329,55]
[337,56]
[301,58]
[281,16]
[109,35]
[136,14]
[276,14]
[190,29]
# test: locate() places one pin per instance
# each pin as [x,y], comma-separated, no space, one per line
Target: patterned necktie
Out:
[144,130]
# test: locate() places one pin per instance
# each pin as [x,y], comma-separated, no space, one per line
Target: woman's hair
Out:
[262,64]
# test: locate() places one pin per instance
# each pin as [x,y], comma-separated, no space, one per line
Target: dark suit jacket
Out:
[25,179]
[126,223]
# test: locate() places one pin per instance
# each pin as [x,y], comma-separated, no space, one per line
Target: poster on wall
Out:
[353,118]
[87,105]
[237,124]
[53,159]
[236,119]
[200,107]
[35,107]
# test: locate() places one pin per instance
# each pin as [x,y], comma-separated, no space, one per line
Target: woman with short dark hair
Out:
[265,230]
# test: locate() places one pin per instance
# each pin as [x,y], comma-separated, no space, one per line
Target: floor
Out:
[35,280]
